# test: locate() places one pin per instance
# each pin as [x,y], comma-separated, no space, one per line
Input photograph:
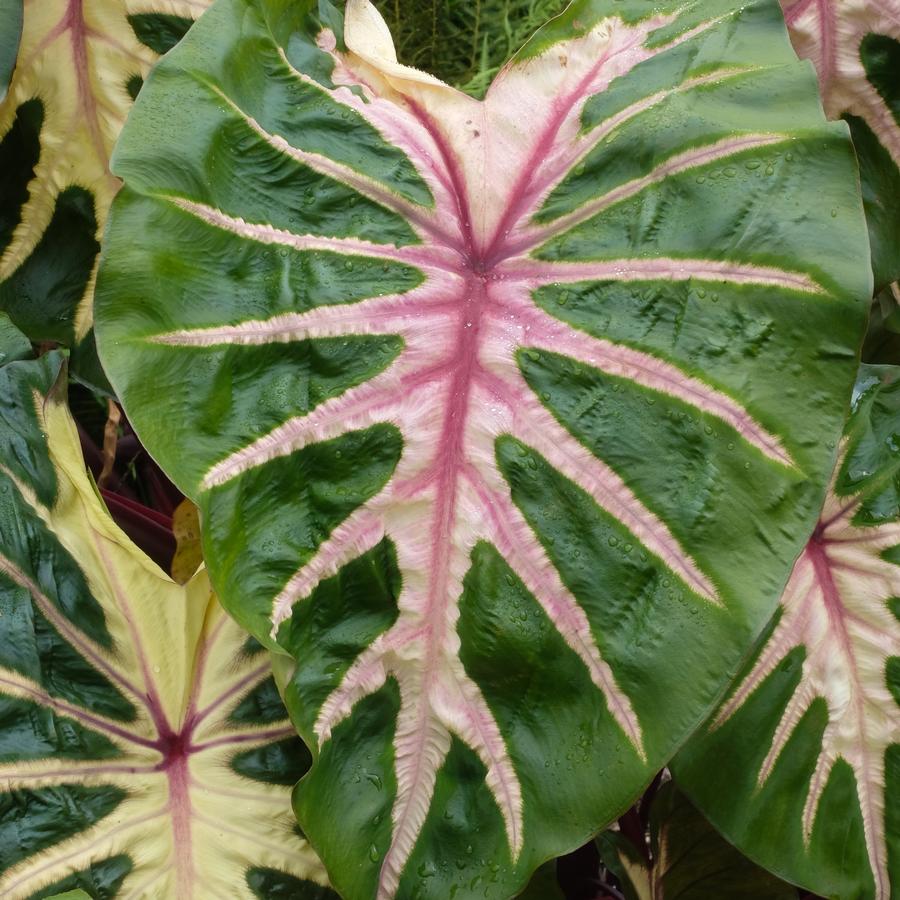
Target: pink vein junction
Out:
[454,390]
[153,748]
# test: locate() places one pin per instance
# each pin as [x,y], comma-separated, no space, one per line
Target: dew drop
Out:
[372,778]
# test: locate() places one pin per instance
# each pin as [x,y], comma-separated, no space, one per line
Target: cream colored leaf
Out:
[190,823]
[188,552]
[76,57]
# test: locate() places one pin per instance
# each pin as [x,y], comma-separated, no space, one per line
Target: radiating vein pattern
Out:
[137,738]
[461,331]
[836,607]
[447,234]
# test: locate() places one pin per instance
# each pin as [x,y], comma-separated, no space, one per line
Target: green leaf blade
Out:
[540,448]
[817,694]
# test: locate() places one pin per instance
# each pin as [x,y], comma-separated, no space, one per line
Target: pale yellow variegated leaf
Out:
[146,726]
[76,57]
[188,552]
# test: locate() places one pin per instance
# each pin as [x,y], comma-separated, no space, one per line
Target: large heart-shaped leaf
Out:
[79,65]
[144,751]
[801,765]
[855,46]
[506,419]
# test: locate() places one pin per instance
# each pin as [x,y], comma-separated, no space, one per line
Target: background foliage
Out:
[464,42]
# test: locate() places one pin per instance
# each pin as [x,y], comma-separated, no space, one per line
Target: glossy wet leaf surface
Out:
[512,462]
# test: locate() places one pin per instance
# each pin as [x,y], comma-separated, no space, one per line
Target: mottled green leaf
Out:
[13,344]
